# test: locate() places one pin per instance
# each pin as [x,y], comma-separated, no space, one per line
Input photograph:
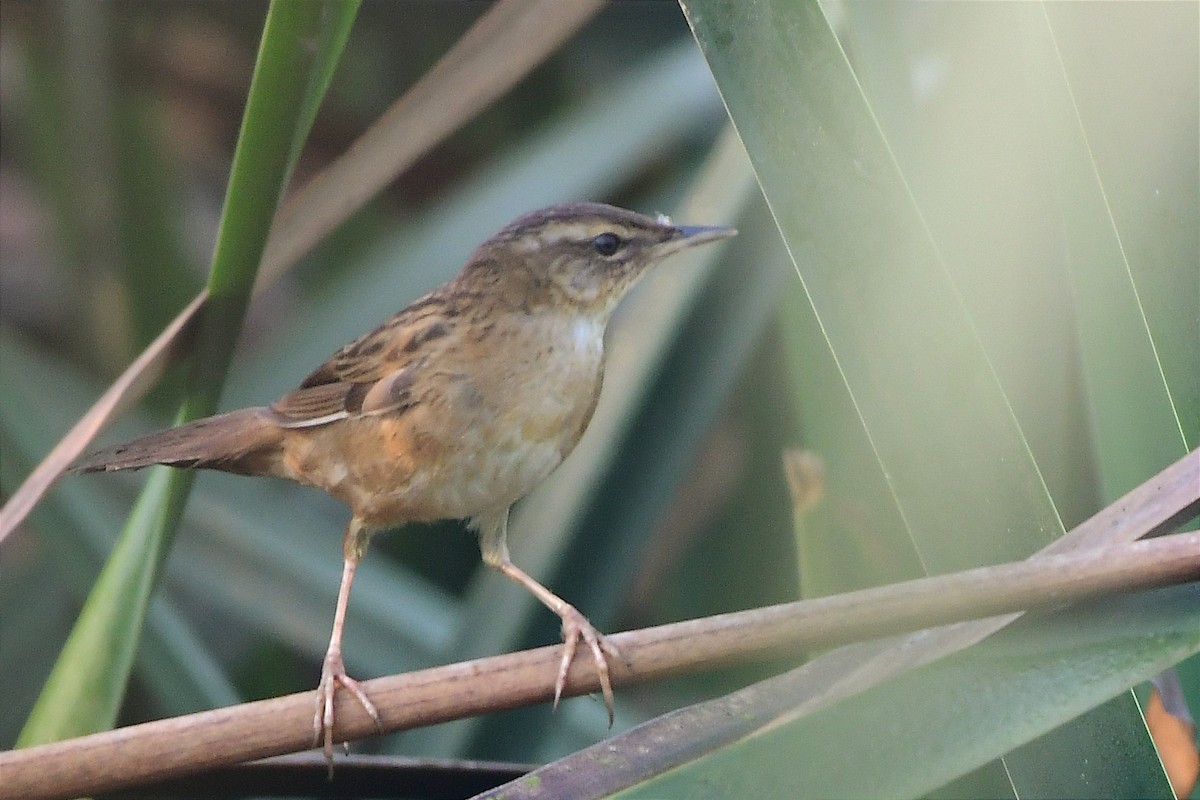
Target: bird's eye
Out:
[606,243]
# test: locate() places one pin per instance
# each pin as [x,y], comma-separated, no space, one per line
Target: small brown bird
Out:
[456,407]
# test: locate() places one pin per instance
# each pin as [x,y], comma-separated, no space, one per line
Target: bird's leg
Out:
[333,671]
[575,626]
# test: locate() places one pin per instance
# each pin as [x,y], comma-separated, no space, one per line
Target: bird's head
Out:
[587,255]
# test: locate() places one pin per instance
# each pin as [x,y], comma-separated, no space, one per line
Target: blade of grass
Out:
[300,47]
[1134,76]
[1134,424]
[992,216]
[84,691]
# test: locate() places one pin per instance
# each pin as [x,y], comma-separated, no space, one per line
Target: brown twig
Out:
[156,750]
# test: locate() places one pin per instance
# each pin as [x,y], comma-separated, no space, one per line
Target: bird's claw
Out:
[333,672]
[575,626]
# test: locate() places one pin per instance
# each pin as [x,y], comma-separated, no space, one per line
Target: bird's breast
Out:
[545,386]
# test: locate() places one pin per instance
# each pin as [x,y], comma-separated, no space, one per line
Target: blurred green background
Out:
[993,211]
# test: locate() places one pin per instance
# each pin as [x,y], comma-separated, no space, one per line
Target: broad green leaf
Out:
[1052,237]
[937,418]
[883,279]
[1128,106]
[1119,229]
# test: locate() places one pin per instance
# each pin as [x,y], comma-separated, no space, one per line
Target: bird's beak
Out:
[692,235]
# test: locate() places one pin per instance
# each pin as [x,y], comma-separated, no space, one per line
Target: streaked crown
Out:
[590,254]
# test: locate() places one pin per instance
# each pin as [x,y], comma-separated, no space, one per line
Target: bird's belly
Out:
[486,473]
[430,464]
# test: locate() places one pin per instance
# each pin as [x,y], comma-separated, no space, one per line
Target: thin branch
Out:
[504,45]
[156,750]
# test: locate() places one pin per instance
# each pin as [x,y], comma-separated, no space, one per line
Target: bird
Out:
[454,408]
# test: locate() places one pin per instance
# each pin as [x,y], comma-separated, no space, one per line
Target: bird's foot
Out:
[575,626]
[333,672]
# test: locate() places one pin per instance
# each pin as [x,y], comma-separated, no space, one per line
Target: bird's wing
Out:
[329,402]
[373,374]
[318,405]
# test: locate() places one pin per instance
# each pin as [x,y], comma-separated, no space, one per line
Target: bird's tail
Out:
[247,442]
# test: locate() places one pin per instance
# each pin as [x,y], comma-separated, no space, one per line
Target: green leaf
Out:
[907,283]
[84,691]
[1128,218]
[908,351]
